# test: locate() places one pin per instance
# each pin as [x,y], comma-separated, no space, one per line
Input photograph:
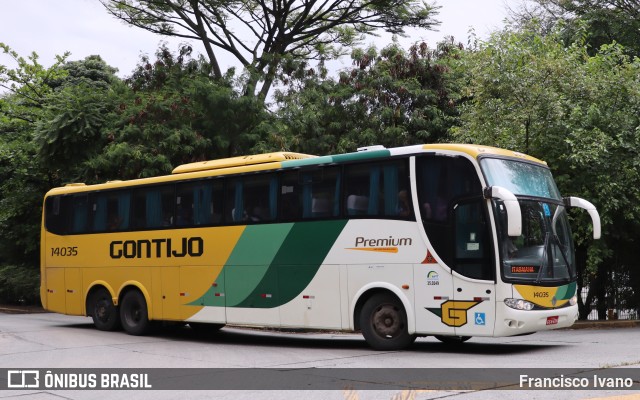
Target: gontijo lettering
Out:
[158,248]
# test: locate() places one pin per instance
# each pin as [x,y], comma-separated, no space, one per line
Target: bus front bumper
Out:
[510,322]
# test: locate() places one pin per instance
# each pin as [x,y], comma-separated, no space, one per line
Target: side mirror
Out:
[591,209]
[514,214]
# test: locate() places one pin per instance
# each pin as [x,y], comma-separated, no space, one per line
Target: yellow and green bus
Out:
[447,240]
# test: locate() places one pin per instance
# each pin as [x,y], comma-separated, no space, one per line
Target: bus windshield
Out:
[543,253]
[521,178]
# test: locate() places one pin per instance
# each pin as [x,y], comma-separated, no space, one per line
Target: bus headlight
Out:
[519,304]
[574,300]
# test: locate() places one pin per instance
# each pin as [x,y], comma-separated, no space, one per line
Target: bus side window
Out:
[361,197]
[378,189]
[320,193]
[153,207]
[118,210]
[56,220]
[290,197]
[253,199]
[79,213]
[199,203]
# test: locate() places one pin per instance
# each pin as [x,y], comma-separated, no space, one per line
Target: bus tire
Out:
[452,339]
[383,321]
[103,312]
[134,313]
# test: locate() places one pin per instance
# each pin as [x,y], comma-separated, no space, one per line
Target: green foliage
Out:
[19,284]
[23,181]
[393,98]
[173,113]
[597,22]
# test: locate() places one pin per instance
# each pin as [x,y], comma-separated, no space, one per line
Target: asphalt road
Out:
[52,341]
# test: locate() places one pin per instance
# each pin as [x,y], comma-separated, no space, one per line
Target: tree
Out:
[22,180]
[262,35]
[50,120]
[393,98]
[70,129]
[580,112]
[599,22]
[172,113]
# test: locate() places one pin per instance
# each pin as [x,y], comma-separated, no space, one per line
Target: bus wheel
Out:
[383,321]
[452,339]
[133,313]
[103,312]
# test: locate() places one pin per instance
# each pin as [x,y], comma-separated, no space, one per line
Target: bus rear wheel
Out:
[103,312]
[134,314]
[383,321]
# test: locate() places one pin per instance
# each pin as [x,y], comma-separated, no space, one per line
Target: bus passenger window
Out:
[320,193]
[153,207]
[80,209]
[361,189]
[56,220]
[253,199]
[290,197]
[199,203]
[118,210]
[378,189]
[109,211]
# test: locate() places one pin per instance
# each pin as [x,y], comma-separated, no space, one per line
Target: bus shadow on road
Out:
[300,338]
[338,340]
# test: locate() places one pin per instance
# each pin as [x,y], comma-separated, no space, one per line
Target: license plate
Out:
[552,320]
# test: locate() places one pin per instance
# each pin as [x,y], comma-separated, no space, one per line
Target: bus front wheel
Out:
[134,314]
[383,321]
[103,312]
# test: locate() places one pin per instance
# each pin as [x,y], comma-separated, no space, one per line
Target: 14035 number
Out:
[64,251]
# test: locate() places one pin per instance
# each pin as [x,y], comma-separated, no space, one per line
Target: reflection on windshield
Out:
[521,178]
[544,251]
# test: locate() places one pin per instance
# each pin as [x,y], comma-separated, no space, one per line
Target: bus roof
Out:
[476,151]
[239,161]
[284,160]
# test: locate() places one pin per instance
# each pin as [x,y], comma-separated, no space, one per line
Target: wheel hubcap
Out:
[387,321]
[102,310]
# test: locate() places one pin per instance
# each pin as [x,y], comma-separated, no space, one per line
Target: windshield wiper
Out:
[545,258]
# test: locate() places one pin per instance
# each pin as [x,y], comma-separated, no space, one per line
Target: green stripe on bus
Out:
[361,155]
[248,263]
[566,292]
[295,265]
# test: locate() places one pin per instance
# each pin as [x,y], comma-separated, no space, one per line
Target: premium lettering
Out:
[157,248]
[384,242]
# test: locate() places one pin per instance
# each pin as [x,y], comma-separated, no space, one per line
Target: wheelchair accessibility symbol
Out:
[480,318]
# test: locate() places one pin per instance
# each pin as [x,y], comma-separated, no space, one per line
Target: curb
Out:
[624,323]
[22,310]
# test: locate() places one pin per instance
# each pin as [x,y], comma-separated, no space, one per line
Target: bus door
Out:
[455,219]
[474,284]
